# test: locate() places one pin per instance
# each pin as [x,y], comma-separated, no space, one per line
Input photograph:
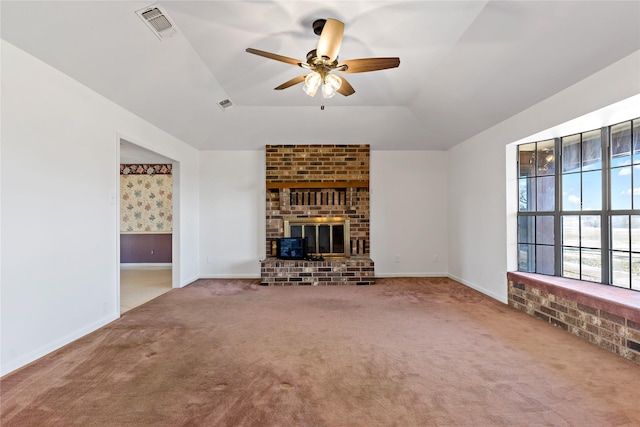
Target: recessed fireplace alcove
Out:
[321,193]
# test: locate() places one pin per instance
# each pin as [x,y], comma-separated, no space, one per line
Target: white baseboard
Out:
[450,276]
[230,276]
[391,275]
[188,281]
[127,265]
[491,294]
[55,345]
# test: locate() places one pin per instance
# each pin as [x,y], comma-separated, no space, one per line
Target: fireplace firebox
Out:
[324,236]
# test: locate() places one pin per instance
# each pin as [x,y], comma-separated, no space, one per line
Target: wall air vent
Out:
[225,104]
[158,21]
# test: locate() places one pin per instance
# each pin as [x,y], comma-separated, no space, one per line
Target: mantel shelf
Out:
[323,184]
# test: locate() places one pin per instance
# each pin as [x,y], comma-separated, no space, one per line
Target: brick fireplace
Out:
[309,184]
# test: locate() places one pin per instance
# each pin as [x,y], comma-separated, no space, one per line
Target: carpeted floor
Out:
[405,352]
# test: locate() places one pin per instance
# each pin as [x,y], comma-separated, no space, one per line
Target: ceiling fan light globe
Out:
[328,91]
[308,91]
[312,83]
[333,80]
[331,85]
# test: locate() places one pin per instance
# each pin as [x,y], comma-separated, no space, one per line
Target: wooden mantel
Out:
[316,184]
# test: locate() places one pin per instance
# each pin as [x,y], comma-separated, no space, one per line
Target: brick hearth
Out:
[338,271]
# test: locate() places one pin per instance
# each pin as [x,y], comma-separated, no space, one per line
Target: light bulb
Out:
[331,84]
[312,83]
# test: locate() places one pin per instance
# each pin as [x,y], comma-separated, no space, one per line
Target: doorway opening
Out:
[146,233]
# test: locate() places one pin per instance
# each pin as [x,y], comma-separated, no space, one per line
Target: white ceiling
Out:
[465,65]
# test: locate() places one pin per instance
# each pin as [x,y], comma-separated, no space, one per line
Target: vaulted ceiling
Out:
[465,65]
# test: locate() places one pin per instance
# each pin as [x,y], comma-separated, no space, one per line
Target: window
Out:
[579,206]
[582,206]
[536,222]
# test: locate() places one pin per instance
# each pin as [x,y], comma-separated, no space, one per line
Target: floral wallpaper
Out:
[146,202]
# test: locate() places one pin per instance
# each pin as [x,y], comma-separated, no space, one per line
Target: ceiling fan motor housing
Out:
[318,25]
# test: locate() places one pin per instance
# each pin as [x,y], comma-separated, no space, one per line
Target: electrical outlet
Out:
[397,258]
[435,258]
[209,259]
[153,252]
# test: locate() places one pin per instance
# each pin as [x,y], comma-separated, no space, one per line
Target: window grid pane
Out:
[636,141]
[546,157]
[526,258]
[620,268]
[527,194]
[592,191]
[621,188]
[635,179]
[635,233]
[591,151]
[619,233]
[590,231]
[591,265]
[546,193]
[527,160]
[571,230]
[621,144]
[545,230]
[571,153]
[545,263]
[527,229]
[635,272]
[571,194]
[571,263]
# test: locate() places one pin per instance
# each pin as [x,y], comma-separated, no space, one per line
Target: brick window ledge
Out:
[618,301]
[603,315]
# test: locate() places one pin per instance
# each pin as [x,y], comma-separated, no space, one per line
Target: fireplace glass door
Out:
[325,236]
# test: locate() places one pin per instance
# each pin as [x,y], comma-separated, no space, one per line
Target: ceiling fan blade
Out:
[369,64]
[274,56]
[330,39]
[293,81]
[345,88]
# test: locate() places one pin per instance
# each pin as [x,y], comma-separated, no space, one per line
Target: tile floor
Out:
[141,284]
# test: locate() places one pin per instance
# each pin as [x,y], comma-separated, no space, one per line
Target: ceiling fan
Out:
[323,60]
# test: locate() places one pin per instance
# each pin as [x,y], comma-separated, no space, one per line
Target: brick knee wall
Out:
[610,331]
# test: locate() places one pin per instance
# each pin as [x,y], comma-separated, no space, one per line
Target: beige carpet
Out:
[405,352]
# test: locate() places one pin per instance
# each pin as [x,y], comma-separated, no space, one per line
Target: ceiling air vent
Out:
[225,104]
[158,21]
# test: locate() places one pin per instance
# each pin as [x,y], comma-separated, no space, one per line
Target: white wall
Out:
[409,213]
[59,181]
[232,213]
[481,232]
